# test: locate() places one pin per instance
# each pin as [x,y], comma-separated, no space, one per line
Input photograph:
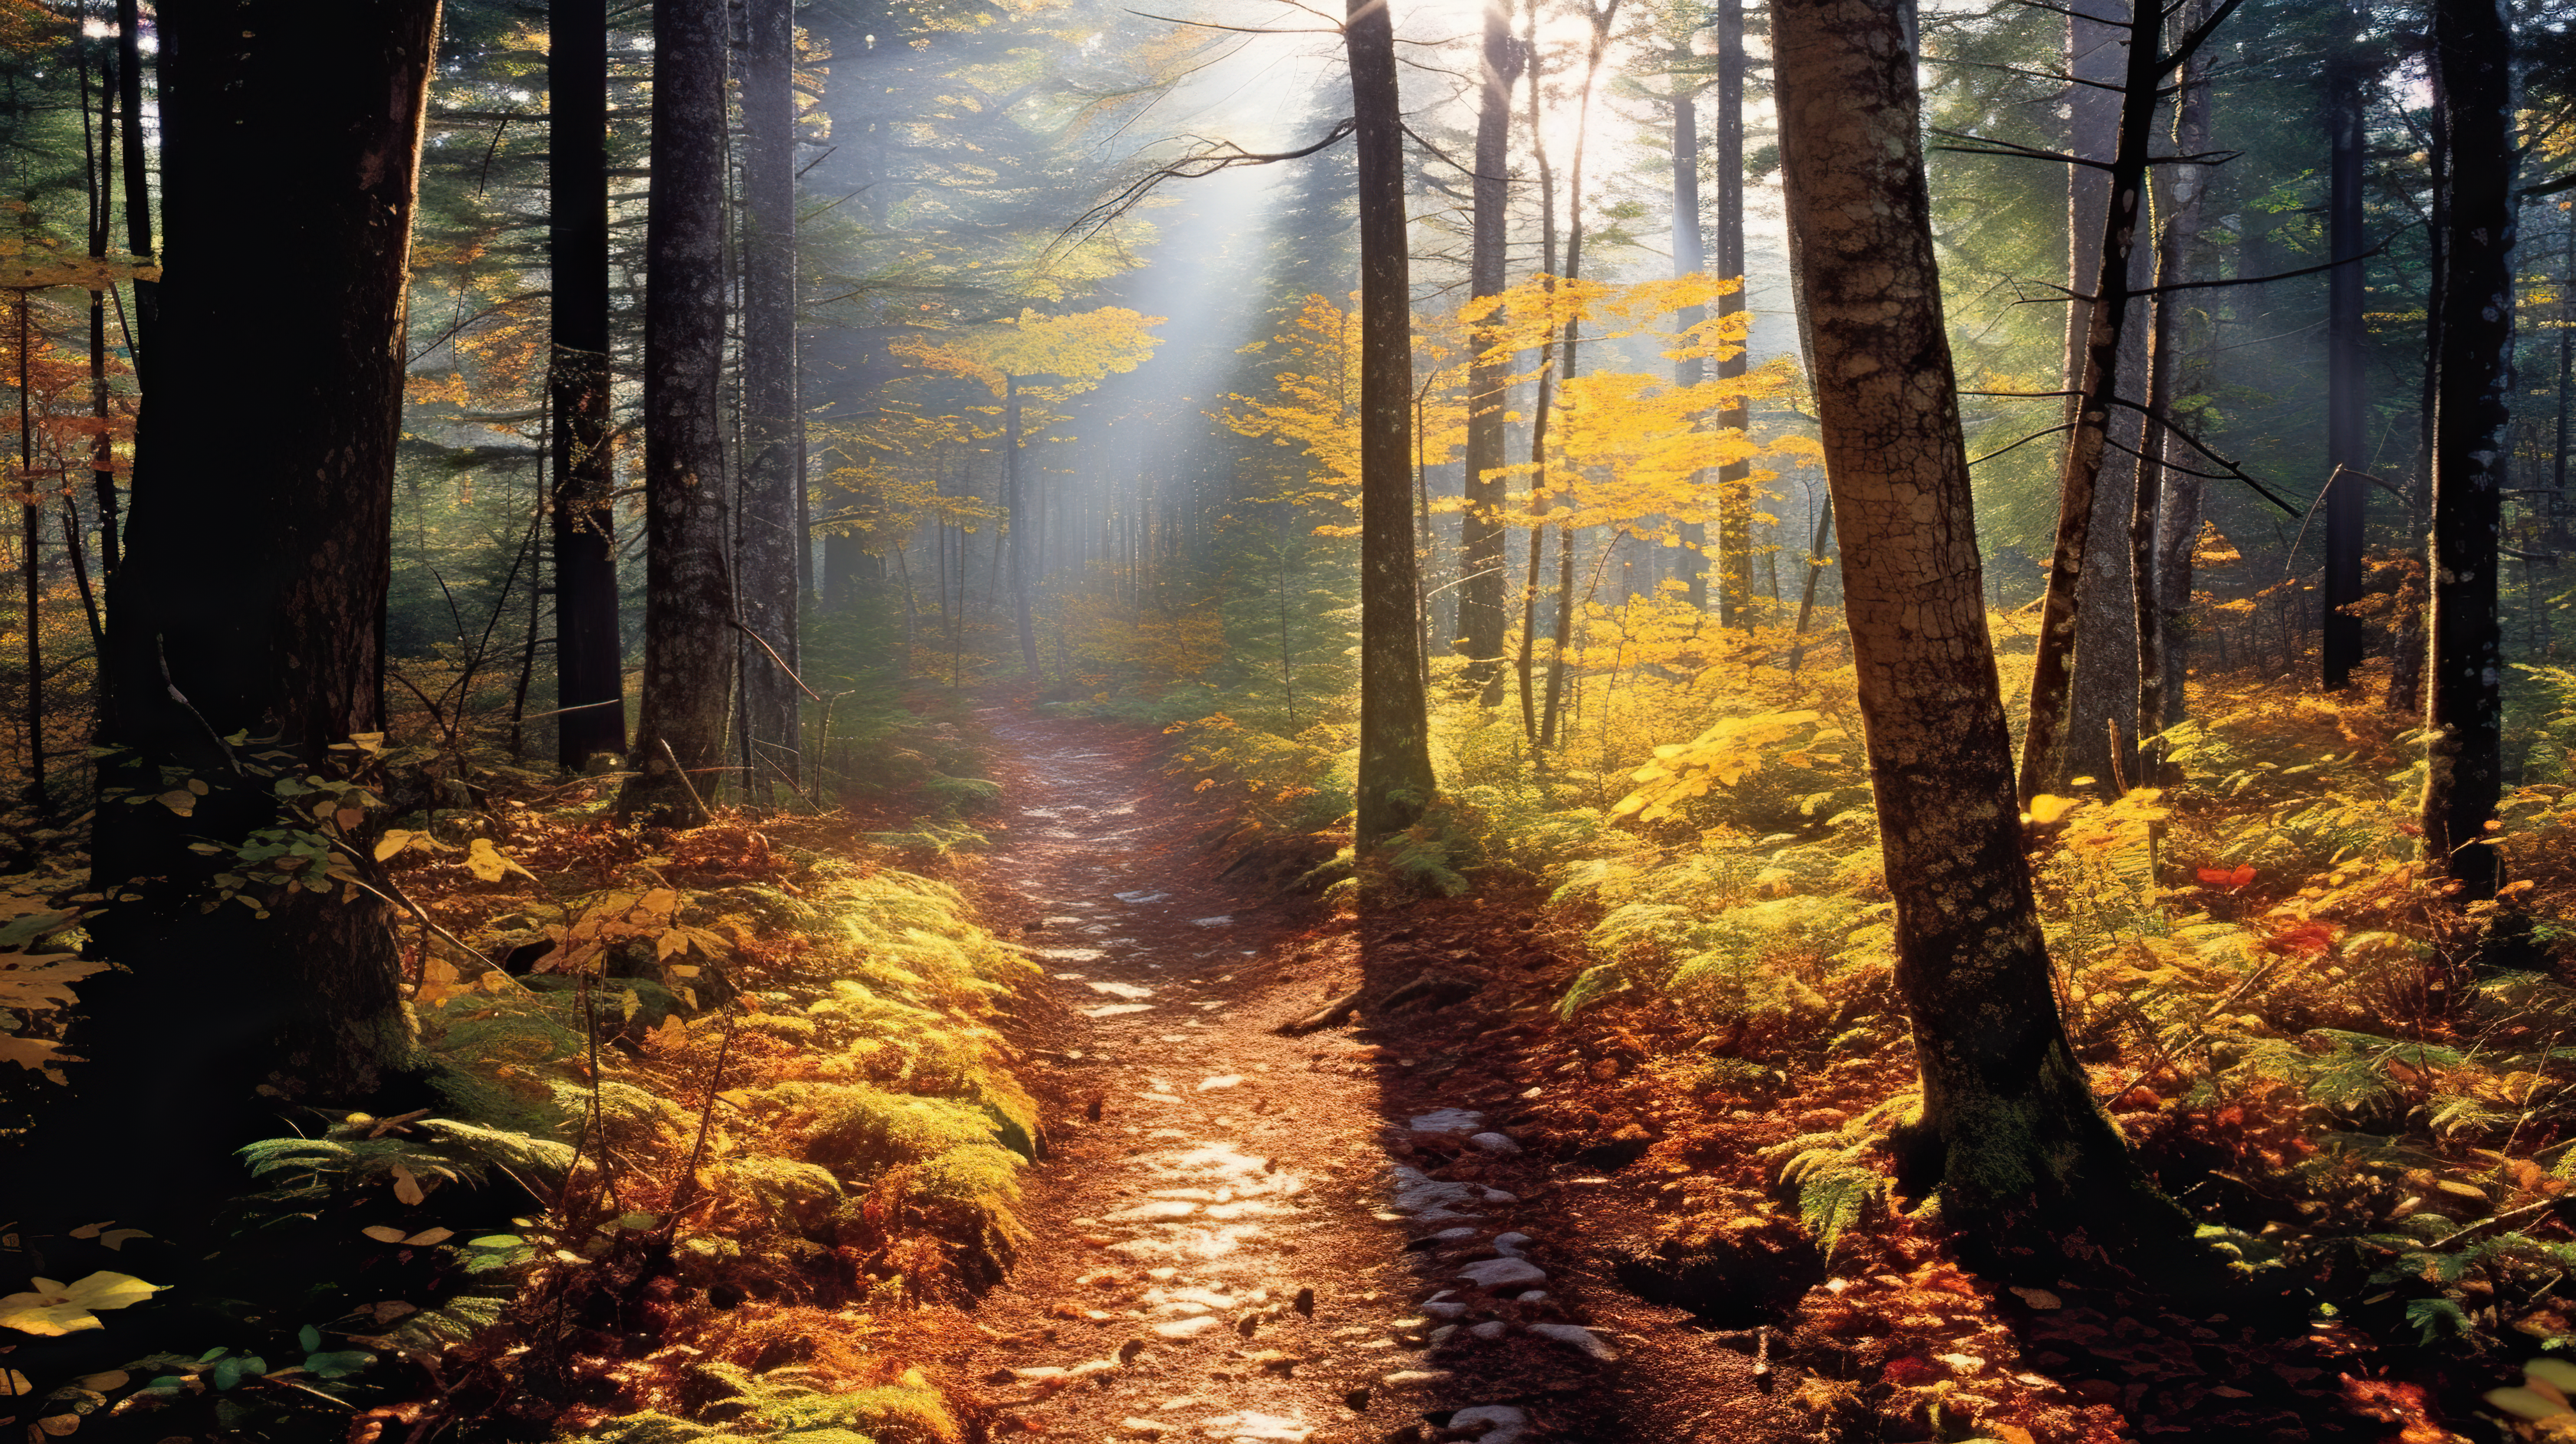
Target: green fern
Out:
[1591,986]
[1835,1188]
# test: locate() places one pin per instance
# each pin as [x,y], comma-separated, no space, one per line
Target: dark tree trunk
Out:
[688,592]
[245,642]
[2082,537]
[1481,561]
[1395,781]
[2010,1130]
[770,537]
[2339,647]
[2165,523]
[1735,479]
[2473,48]
[590,651]
[138,172]
[102,472]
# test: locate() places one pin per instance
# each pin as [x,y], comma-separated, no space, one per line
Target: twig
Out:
[682,773]
[683,1195]
[745,628]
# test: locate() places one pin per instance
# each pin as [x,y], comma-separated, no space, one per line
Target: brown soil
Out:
[1207,1171]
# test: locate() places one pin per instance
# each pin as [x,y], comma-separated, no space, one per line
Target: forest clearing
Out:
[822,722]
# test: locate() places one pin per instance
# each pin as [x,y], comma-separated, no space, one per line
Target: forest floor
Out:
[1454,1216]
[1317,1237]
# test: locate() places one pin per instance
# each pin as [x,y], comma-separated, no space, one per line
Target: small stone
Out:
[1251,1425]
[1502,1273]
[1187,1328]
[1441,1334]
[1488,1142]
[1533,1296]
[1406,1378]
[1448,1120]
[1304,1303]
[1489,1329]
[1145,1428]
[1512,1242]
[1357,1400]
[1228,1080]
[1578,1336]
[1445,1310]
[1503,1423]
[1221,920]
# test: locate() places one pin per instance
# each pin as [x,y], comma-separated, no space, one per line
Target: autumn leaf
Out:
[2226,877]
[487,863]
[53,1308]
[382,1233]
[406,1187]
[2046,808]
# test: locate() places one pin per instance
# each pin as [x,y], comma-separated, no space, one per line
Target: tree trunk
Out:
[688,592]
[769,538]
[2089,552]
[2009,1129]
[590,648]
[1395,781]
[138,173]
[1481,561]
[1021,516]
[2473,46]
[2339,649]
[1689,255]
[2409,645]
[2165,523]
[1735,479]
[245,646]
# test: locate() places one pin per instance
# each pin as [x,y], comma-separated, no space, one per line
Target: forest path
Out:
[1218,1253]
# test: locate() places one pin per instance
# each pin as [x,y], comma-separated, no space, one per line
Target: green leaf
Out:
[309,1338]
[233,1370]
[338,1364]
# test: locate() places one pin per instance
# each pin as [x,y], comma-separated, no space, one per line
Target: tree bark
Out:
[2339,649]
[770,537]
[2473,49]
[590,649]
[138,172]
[1689,255]
[2089,559]
[2010,1130]
[1395,781]
[688,592]
[1735,479]
[2164,523]
[245,642]
[1481,561]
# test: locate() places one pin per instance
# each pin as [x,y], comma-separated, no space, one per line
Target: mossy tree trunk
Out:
[1395,781]
[2009,1129]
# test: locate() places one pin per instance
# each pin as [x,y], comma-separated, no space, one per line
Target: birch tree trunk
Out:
[2010,1131]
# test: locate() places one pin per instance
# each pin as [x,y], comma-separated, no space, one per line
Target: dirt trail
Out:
[1222,1247]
